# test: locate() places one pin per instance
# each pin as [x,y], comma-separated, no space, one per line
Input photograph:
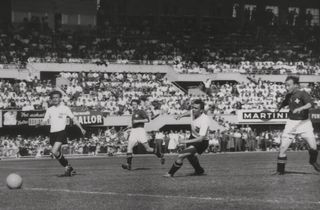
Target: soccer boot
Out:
[69,171]
[316,166]
[199,172]
[167,175]
[278,173]
[162,160]
[126,166]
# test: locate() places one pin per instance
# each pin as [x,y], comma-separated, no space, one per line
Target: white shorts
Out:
[294,127]
[137,135]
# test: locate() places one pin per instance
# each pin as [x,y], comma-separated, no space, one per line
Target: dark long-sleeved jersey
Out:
[139,115]
[294,100]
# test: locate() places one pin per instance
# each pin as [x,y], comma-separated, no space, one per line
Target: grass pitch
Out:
[232,181]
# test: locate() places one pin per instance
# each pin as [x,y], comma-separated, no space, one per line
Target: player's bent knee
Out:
[286,137]
[147,147]
[283,148]
[282,154]
[56,153]
[183,155]
[313,147]
[150,150]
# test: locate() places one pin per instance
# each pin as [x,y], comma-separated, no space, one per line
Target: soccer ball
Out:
[14,181]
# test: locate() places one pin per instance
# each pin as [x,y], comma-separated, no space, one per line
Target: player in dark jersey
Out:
[139,135]
[198,141]
[299,103]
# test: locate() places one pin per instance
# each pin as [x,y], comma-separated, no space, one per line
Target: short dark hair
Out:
[295,79]
[200,102]
[55,92]
[135,100]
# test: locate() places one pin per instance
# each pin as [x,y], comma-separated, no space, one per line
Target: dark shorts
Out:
[200,146]
[59,136]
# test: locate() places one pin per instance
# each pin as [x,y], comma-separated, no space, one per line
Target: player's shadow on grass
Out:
[64,176]
[141,169]
[297,172]
[188,175]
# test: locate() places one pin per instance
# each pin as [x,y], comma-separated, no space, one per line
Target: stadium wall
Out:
[171,74]
[14,73]
[78,67]
[96,118]
[36,68]
[281,78]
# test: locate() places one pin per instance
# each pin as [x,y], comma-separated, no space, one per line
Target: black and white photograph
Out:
[159,104]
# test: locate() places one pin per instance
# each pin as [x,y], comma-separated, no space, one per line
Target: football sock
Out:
[313,156]
[158,149]
[281,164]
[174,168]
[194,161]
[129,158]
[62,160]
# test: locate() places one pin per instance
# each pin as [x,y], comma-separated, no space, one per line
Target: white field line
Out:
[178,197]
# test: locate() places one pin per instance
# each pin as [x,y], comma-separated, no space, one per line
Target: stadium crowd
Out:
[111,93]
[189,49]
[112,142]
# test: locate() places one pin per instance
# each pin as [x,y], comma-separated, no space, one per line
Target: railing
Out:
[99,61]
[12,66]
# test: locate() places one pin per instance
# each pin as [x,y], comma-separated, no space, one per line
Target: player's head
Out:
[292,82]
[135,104]
[197,107]
[55,97]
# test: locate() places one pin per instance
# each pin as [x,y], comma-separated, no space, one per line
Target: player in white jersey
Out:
[198,141]
[56,117]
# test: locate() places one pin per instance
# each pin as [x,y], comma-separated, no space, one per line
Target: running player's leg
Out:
[147,147]
[194,161]
[286,140]
[57,153]
[131,144]
[56,141]
[158,147]
[159,151]
[313,152]
[143,139]
[189,151]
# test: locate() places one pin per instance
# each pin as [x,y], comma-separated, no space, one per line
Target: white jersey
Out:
[200,126]
[57,117]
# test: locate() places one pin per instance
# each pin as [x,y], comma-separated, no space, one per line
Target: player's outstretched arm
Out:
[278,109]
[284,103]
[43,123]
[307,100]
[45,120]
[305,107]
[77,123]
[186,114]
[141,121]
